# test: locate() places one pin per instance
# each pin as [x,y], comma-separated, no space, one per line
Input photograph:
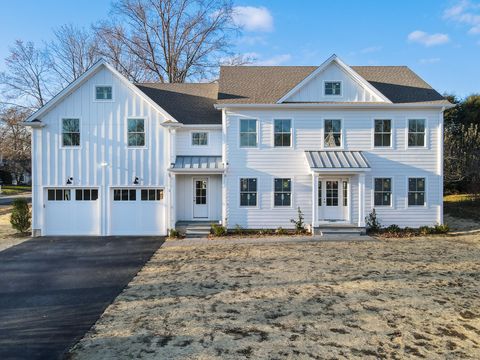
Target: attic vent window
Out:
[333,88]
[103,93]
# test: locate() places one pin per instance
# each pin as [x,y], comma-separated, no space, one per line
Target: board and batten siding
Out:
[267,162]
[183,142]
[103,158]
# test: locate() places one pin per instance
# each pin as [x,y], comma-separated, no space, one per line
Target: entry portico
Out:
[337,177]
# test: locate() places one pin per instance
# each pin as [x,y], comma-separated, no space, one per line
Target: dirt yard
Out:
[8,237]
[395,299]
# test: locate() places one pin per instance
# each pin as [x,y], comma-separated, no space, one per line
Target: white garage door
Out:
[72,212]
[137,212]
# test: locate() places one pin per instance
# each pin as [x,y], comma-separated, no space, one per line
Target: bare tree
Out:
[72,52]
[171,40]
[26,79]
[15,141]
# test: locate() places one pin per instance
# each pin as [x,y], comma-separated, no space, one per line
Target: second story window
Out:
[103,93]
[383,133]
[70,132]
[333,133]
[248,133]
[136,132]
[333,88]
[416,132]
[282,132]
[200,139]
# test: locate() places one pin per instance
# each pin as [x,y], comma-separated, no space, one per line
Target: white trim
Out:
[196,171]
[145,129]
[292,180]
[60,140]
[240,206]
[202,126]
[425,204]
[346,68]
[342,134]
[440,165]
[102,100]
[85,76]
[392,192]
[333,95]
[199,145]
[426,138]
[392,134]
[292,137]
[258,132]
[326,105]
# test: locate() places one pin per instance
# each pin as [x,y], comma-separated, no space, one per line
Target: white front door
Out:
[200,198]
[332,200]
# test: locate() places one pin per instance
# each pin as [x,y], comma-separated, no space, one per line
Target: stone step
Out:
[339,230]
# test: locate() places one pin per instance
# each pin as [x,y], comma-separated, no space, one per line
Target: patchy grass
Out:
[15,190]
[462,206]
[392,299]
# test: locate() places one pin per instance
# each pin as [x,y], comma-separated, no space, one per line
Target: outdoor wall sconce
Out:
[70,181]
[135,182]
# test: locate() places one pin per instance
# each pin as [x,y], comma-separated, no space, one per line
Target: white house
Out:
[115,158]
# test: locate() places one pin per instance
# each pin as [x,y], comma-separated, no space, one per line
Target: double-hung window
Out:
[282,132]
[103,93]
[136,132]
[70,132]
[333,88]
[248,192]
[416,191]
[333,133]
[382,192]
[248,133]
[416,132]
[383,133]
[199,138]
[283,192]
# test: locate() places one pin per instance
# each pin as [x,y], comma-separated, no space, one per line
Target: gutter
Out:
[330,105]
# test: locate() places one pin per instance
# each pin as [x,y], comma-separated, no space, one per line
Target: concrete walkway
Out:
[234,240]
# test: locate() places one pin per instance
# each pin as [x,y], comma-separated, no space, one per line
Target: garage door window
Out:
[152,194]
[86,194]
[124,195]
[59,195]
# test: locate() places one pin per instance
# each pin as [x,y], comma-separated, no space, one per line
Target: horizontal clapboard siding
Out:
[184,146]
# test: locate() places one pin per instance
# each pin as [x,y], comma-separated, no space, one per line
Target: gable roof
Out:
[268,84]
[190,104]
[33,121]
[347,69]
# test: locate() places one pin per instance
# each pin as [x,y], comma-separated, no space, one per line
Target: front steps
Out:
[194,229]
[338,230]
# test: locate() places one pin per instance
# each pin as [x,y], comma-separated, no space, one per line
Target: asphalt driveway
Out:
[52,290]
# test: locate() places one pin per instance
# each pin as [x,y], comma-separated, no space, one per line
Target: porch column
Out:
[314,200]
[173,200]
[361,200]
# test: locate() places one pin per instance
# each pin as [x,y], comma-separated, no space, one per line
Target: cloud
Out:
[426,39]
[429,61]
[465,12]
[252,40]
[273,61]
[252,18]
[370,49]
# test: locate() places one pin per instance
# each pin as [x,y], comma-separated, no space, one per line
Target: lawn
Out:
[15,190]
[394,299]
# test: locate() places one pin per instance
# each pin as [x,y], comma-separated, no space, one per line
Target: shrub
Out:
[393,229]
[173,233]
[425,230]
[218,230]
[20,218]
[299,223]
[280,231]
[441,229]
[238,230]
[371,222]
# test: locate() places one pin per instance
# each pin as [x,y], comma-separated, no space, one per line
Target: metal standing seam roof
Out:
[198,163]
[336,159]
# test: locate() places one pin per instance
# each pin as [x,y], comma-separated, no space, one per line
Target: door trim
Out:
[346,209]
[207,178]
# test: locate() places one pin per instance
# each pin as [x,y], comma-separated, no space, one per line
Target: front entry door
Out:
[200,198]
[332,199]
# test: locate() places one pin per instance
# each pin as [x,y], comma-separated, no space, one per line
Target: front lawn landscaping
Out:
[15,190]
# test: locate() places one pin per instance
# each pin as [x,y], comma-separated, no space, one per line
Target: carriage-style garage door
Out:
[137,211]
[72,211]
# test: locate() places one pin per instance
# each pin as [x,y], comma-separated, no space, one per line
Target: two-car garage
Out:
[126,211]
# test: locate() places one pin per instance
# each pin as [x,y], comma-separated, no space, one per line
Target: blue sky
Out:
[438,39]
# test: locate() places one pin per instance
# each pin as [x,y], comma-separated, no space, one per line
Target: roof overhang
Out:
[196,171]
[33,124]
[337,161]
[359,105]
[194,164]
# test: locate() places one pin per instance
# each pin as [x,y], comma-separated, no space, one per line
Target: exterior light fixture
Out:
[70,181]
[135,182]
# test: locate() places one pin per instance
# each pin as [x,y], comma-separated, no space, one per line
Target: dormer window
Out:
[333,88]
[103,93]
